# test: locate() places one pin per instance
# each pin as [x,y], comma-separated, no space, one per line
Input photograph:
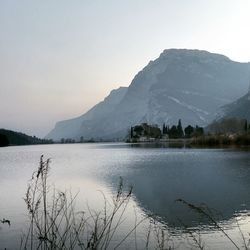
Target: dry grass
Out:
[54,222]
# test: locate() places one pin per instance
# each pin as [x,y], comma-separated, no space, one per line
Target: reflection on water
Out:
[219,179]
[160,174]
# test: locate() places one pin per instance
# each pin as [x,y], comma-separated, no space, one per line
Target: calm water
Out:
[217,178]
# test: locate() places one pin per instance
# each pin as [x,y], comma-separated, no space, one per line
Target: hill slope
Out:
[70,128]
[181,84]
[239,109]
[9,137]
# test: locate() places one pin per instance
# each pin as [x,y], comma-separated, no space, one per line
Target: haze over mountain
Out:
[181,84]
[239,108]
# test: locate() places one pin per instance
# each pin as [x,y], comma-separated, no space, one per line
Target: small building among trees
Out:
[145,132]
[149,133]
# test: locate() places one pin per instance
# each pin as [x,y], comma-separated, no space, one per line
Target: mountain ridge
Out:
[61,129]
[180,84]
[238,109]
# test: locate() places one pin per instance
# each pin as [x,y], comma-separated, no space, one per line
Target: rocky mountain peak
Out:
[180,84]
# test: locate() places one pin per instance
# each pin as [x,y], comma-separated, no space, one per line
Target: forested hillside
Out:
[8,138]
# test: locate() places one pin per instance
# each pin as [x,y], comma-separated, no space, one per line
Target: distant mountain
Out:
[9,138]
[72,128]
[181,84]
[239,109]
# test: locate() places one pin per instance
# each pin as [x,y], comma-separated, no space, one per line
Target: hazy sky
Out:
[58,57]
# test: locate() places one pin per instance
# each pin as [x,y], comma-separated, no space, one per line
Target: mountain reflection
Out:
[220,179]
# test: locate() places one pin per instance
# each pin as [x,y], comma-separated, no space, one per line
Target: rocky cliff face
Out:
[181,84]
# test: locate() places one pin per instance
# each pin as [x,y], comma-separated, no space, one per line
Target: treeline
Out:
[176,131]
[82,140]
[229,126]
[146,132]
[11,138]
[222,140]
[228,131]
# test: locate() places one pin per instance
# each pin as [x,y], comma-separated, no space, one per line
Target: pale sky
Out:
[58,58]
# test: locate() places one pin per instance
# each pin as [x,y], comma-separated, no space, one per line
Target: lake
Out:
[216,179]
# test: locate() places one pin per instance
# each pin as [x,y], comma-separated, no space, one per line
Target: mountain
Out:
[238,109]
[9,137]
[70,128]
[181,84]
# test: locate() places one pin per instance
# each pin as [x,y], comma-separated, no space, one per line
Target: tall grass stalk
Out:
[204,211]
[54,222]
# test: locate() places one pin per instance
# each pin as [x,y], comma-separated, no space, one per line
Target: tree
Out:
[164,129]
[138,130]
[4,140]
[228,126]
[179,129]
[131,132]
[167,129]
[188,131]
[245,126]
[199,131]
[173,132]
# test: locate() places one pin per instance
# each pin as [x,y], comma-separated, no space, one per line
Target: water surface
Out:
[216,178]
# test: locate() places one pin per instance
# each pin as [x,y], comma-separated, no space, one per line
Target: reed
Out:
[55,224]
